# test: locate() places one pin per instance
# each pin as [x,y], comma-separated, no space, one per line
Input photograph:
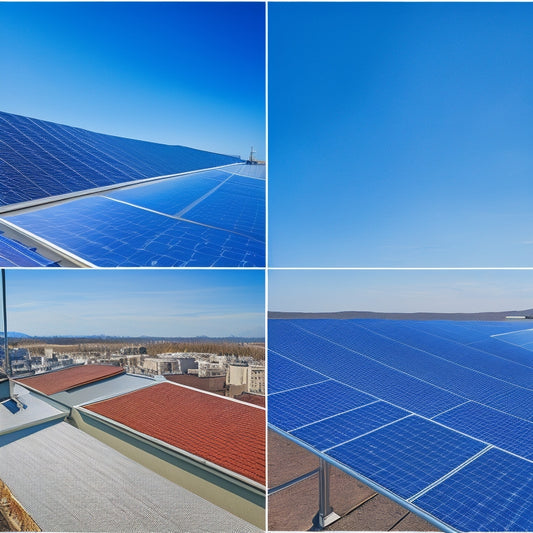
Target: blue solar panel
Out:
[414,457]
[172,195]
[235,206]
[288,375]
[15,254]
[497,428]
[364,373]
[108,233]
[455,352]
[295,408]
[504,350]
[466,382]
[408,455]
[39,159]
[520,338]
[493,493]
[346,426]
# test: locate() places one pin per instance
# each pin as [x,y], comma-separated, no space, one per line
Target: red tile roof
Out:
[69,378]
[228,433]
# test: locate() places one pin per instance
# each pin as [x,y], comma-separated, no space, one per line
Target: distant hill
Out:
[487,316]
[15,335]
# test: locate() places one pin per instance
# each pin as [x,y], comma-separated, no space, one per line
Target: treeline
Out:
[257,351]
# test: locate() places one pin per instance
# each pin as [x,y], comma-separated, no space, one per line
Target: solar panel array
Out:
[436,414]
[39,159]
[202,218]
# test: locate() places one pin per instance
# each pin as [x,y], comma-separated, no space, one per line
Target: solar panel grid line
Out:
[449,474]
[509,333]
[444,359]
[300,387]
[450,409]
[334,416]
[455,392]
[369,432]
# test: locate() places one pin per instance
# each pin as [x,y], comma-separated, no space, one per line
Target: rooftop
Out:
[69,378]
[228,433]
[51,470]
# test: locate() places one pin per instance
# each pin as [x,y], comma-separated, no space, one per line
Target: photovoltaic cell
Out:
[408,455]
[109,234]
[493,493]
[507,432]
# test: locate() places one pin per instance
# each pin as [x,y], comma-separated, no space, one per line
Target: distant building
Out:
[245,377]
[168,364]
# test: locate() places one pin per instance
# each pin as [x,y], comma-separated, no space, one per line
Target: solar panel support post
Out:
[326,516]
[7,361]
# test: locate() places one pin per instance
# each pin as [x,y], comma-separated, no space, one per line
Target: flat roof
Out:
[27,411]
[70,481]
[228,433]
[69,378]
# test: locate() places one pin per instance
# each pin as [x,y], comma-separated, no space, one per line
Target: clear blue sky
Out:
[174,303]
[402,291]
[401,134]
[170,72]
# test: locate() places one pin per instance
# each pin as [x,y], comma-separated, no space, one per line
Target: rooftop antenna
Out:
[7,361]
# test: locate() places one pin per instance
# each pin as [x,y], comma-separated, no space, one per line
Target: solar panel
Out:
[40,159]
[108,233]
[443,422]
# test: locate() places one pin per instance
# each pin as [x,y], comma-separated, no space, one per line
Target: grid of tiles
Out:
[427,460]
